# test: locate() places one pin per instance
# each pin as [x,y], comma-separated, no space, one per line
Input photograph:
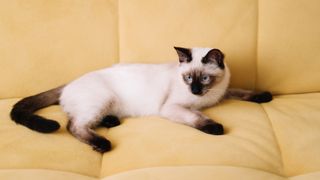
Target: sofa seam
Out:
[257,48]
[198,165]
[276,138]
[117,61]
[54,170]
[118,30]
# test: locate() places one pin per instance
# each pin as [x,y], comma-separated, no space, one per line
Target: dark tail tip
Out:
[43,125]
[34,122]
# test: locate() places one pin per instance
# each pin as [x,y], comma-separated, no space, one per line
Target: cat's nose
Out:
[196,90]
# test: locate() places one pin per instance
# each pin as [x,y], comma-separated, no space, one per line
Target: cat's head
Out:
[201,68]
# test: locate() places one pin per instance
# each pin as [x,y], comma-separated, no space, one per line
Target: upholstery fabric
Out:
[41,174]
[228,25]
[45,44]
[296,123]
[269,45]
[21,148]
[288,46]
[196,172]
[156,142]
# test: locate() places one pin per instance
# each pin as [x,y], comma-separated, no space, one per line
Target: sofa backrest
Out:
[149,32]
[269,44]
[289,46]
[44,44]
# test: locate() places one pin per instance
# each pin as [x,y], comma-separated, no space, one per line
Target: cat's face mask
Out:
[201,69]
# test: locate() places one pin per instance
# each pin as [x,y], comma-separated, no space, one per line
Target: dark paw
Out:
[100,144]
[110,121]
[214,128]
[261,97]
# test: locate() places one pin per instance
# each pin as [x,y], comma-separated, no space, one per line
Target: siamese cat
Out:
[175,91]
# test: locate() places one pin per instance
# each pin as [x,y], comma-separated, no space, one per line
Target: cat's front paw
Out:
[261,97]
[212,128]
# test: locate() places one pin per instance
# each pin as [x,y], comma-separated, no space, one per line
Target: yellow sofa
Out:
[270,45]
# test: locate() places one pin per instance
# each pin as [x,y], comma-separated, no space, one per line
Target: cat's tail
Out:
[23,111]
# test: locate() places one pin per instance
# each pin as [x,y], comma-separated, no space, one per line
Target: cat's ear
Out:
[214,56]
[184,54]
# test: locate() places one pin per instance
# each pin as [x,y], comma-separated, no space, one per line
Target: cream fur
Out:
[140,90]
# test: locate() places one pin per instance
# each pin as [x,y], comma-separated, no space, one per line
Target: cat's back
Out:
[146,73]
[140,87]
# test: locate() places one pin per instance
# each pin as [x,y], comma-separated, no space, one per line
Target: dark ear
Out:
[184,54]
[214,56]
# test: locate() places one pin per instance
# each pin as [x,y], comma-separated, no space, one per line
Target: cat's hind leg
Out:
[85,133]
[84,118]
[249,95]
[86,101]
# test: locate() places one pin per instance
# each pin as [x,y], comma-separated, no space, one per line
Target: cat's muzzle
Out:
[196,89]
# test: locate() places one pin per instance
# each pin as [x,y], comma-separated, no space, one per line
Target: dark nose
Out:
[196,88]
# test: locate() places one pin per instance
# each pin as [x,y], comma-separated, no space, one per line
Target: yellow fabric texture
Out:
[148,30]
[269,45]
[196,172]
[288,46]
[45,44]
[158,142]
[21,148]
[296,124]
[41,174]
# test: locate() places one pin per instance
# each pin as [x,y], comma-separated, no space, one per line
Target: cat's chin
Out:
[203,93]
[198,95]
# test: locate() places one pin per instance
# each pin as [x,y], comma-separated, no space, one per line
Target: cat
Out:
[175,91]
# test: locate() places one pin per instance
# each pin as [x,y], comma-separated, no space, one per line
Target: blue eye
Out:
[188,78]
[205,78]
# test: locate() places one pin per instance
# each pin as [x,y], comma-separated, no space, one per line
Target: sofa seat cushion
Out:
[205,173]
[41,174]
[296,124]
[22,148]
[161,173]
[280,137]
[152,141]
[195,172]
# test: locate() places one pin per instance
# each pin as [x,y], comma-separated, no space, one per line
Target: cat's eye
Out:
[205,78]
[188,78]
